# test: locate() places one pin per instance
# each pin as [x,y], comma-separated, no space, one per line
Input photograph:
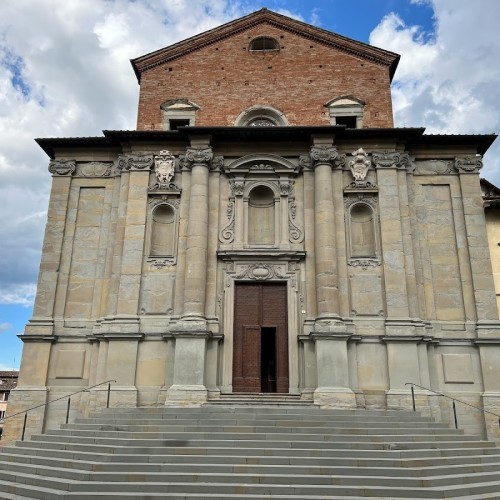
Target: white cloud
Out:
[5,326]
[18,294]
[65,71]
[449,83]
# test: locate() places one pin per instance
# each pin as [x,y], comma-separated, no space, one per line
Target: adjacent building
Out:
[265,229]
[8,382]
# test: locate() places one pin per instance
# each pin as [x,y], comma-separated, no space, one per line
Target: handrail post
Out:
[67,410]
[109,394]
[413,397]
[24,425]
[455,415]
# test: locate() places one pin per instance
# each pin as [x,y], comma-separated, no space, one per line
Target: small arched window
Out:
[261,223]
[264,44]
[163,231]
[362,231]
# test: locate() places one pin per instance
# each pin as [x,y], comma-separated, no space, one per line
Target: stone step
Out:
[377,468]
[294,456]
[269,440]
[265,410]
[254,418]
[255,486]
[145,431]
[239,452]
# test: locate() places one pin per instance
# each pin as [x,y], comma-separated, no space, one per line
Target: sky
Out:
[65,72]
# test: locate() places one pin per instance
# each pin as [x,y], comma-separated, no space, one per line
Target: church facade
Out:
[265,229]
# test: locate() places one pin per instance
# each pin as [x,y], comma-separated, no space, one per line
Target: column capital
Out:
[201,156]
[469,164]
[138,161]
[391,159]
[323,155]
[62,167]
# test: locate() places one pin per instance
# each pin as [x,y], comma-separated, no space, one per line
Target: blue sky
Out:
[65,71]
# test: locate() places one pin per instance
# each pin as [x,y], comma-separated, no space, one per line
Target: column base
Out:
[335,397]
[186,395]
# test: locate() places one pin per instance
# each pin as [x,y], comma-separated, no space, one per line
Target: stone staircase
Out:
[248,448]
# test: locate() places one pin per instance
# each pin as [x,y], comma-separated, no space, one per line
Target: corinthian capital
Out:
[469,164]
[198,156]
[321,155]
[62,167]
[139,161]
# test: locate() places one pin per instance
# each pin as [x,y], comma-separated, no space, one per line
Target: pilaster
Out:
[393,250]
[42,321]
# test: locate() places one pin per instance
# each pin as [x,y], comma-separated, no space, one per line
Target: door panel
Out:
[260,312]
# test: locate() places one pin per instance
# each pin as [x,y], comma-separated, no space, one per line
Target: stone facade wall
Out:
[360,326]
[225,78]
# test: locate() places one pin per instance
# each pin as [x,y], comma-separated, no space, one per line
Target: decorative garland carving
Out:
[364,263]
[160,262]
[257,272]
[62,167]
[139,161]
[296,234]
[226,234]
[433,167]
[469,164]
[95,169]
[391,159]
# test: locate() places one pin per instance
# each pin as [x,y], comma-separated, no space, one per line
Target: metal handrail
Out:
[25,411]
[448,397]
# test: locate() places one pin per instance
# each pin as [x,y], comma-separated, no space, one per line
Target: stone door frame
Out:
[261,271]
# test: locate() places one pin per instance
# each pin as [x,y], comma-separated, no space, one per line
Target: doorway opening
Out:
[260,338]
[268,359]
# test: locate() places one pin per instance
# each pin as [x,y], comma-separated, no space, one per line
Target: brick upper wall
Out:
[225,78]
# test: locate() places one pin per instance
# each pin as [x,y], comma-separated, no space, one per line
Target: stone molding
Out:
[62,167]
[469,164]
[135,162]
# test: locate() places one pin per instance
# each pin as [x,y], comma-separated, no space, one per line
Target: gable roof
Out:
[339,42]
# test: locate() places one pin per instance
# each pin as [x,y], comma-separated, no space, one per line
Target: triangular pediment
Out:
[265,16]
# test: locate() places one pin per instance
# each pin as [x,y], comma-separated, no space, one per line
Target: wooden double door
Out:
[260,359]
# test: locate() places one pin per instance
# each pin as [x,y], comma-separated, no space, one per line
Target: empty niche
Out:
[362,231]
[163,231]
[261,218]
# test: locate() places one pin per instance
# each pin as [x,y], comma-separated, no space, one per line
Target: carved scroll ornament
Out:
[469,164]
[62,167]
[140,161]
